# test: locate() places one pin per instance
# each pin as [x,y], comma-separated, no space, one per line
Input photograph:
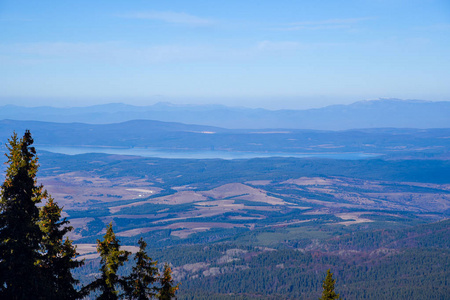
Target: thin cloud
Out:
[325,24]
[120,53]
[279,46]
[170,17]
[332,21]
[436,27]
[114,53]
[294,46]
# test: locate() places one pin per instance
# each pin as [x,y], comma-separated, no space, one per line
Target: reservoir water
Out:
[199,154]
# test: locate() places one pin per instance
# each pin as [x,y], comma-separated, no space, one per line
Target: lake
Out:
[199,154]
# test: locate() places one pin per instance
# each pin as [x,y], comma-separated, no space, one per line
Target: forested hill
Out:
[363,114]
[168,135]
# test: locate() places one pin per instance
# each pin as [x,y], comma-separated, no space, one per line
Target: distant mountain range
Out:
[364,114]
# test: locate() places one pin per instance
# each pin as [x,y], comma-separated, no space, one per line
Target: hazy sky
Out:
[255,53]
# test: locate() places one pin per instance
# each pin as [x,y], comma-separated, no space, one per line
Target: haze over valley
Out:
[362,114]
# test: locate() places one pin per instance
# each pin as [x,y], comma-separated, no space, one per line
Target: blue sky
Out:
[275,54]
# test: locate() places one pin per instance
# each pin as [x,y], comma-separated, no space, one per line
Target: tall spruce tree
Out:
[35,262]
[328,292]
[58,254]
[139,284]
[111,259]
[20,235]
[167,290]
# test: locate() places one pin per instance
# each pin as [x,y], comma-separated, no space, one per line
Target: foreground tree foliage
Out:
[143,276]
[167,290]
[35,262]
[20,235]
[140,284]
[328,292]
[59,254]
[111,259]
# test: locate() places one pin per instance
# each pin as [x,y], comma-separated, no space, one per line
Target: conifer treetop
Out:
[111,259]
[167,290]
[328,292]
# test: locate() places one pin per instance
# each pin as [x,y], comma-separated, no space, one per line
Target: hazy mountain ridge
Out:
[362,114]
[169,135]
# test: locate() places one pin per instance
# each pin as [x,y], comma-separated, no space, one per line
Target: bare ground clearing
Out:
[259,182]
[312,181]
[426,201]
[182,197]
[230,205]
[78,225]
[318,195]
[181,229]
[211,197]
[242,191]
[76,189]
[353,218]
[89,251]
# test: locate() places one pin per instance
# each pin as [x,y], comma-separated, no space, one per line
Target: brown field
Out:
[345,196]
[352,218]
[89,251]
[78,189]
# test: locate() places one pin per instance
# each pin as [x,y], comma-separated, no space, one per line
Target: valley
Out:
[370,204]
[221,222]
[145,205]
